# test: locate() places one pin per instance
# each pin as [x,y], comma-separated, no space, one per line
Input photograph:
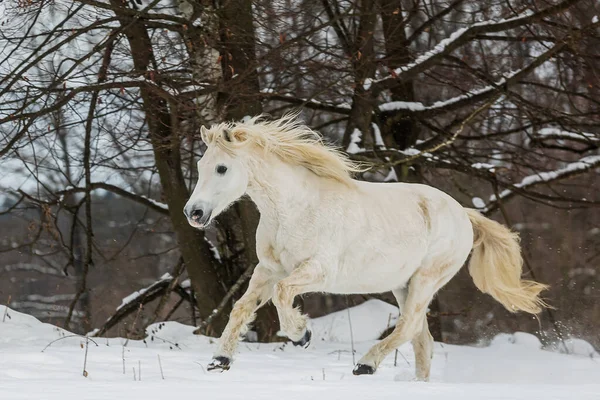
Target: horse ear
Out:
[235,135]
[204,134]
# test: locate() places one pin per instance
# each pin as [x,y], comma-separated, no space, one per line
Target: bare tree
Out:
[493,101]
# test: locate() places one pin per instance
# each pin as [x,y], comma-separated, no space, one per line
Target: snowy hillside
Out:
[40,361]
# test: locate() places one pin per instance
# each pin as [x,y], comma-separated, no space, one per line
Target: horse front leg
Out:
[308,277]
[260,290]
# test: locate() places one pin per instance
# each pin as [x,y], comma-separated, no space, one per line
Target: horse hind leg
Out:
[421,289]
[423,348]
[422,343]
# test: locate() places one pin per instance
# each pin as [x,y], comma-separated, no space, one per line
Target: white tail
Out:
[496,265]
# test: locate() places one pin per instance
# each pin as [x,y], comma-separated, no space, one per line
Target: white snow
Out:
[511,367]
[369,321]
[391,177]
[377,134]
[595,19]
[402,105]
[478,202]
[489,167]
[186,284]
[354,146]
[215,251]
[411,151]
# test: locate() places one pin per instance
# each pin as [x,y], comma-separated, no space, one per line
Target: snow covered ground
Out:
[511,367]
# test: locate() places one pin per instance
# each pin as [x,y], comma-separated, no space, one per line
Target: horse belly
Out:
[376,275]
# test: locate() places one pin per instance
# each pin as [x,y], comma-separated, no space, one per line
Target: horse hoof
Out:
[363,369]
[219,364]
[305,341]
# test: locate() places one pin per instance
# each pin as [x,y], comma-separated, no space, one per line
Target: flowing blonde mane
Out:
[289,139]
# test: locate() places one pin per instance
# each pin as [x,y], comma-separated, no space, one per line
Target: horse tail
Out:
[496,265]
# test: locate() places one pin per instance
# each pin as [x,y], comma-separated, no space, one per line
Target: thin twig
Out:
[351,333]
[446,142]
[399,352]
[177,271]
[245,276]
[66,337]
[87,341]
[6,308]
[89,230]
[135,320]
[175,307]
[193,306]
[160,366]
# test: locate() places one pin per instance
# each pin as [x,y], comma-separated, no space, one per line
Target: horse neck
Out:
[277,187]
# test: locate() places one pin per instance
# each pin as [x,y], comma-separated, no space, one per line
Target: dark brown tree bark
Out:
[402,133]
[397,133]
[362,52]
[241,98]
[166,145]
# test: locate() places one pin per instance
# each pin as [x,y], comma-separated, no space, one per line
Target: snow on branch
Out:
[473,96]
[569,170]
[32,267]
[44,310]
[155,205]
[354,146]
[418,107]
[456,40]
[214,250]
[140,297]
[133,296]
[377,136]
[50,299]
[308,103]
[552,133]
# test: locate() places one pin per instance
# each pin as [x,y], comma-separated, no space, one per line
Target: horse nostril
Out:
[197,214]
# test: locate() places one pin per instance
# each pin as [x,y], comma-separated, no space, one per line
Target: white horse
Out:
[322,231]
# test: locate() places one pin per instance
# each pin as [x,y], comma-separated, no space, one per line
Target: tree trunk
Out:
[363,64]
[402,133]
[241,98]
[397,133]
[166,146]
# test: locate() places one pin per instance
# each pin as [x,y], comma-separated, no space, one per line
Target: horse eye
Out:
[221,169]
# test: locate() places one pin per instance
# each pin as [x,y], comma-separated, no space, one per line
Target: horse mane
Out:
[289,139]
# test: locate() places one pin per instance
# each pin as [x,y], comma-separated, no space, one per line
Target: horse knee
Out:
[242,310]
[279,294]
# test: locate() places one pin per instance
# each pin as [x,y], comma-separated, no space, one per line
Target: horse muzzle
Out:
[198,217]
